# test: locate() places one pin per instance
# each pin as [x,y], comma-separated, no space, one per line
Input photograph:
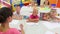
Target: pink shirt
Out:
[11,31]
[34,17]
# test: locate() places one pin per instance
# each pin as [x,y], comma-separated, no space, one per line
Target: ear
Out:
[9,18]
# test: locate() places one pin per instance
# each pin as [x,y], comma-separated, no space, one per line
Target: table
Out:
[39,28]
[42,27]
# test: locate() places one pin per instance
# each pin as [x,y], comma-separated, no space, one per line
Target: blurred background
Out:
[8,2]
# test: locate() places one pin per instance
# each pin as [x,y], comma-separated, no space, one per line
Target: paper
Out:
[50,25]
[32,23]
[49,32]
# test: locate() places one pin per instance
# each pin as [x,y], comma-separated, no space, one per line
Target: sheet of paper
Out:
[32,23]
[50,25]
[49,32]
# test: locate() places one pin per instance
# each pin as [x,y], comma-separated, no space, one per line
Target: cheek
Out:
[10,19]
[17,8]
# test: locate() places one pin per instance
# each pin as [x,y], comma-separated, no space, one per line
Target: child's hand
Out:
[22,30]
[56,33]
[21,26]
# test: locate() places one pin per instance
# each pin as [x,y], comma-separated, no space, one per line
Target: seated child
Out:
[46,3]
[5,19]
[16,14]
[53,15]
[34,17]
[33,3]
[46,17]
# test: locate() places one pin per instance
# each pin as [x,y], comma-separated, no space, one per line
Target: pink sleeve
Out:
[16,31]
[37,16]
[30,16]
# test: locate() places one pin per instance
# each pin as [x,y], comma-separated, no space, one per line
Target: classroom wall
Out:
[58,4]
[51,1]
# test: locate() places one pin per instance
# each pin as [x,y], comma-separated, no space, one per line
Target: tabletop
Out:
[42,27]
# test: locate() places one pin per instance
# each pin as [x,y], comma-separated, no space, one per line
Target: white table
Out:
[39,28]
[51,25]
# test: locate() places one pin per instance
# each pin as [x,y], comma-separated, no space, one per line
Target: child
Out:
[34,17]
[33,3]
[53,14]
[46,17]
[16,14]
[5,18]
[46,3]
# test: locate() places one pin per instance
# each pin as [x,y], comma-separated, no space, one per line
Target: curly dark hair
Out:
[5,13]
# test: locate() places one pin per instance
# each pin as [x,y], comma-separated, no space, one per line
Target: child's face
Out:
[18,9]
[35,12]
[9,19]
[53,13]
[46,2]
[33,3]
[45,15]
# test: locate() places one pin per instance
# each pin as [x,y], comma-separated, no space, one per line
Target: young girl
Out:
[34,17]
[16,14]
[33,3]
[53,14]
[5,18]
[46,3]
[46,17]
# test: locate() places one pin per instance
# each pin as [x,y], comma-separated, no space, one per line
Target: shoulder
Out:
[31,15]
[15,31]
[37,16]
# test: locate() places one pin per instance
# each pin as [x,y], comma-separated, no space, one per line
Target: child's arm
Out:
[36,19]
[56,33]
[22,30]
[33,20]
[17,17]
